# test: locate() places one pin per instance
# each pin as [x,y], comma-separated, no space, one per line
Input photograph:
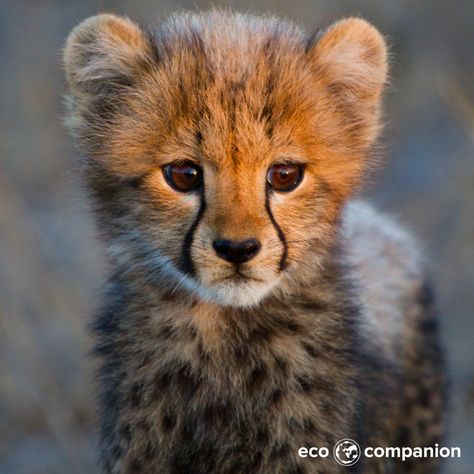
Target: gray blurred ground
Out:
[51,264]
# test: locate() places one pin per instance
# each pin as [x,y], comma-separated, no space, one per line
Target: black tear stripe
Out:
[281,235]
[187,265]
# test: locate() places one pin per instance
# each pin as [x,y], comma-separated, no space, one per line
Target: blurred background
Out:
[51,266]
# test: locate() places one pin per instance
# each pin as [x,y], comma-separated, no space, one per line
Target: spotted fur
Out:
[328,332]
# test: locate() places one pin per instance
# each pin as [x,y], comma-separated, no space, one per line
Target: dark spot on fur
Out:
[293,425]
[125,432]
[309,426]
[136,394]
[202,353]
[281,364]
[187,432]
[280,451]
[310,350]
[326,385]
[218,414]
[168,332]
[257,377]
[167,296]
[136,465]
[162,383]
[317,306]
[116,451]
[424,397]
[306,384]
[136,183]
[288,326]
[142,427]
[150,450]
[261,334]
[147,358]
[168,422]
[256,461]
[330,406]
[404,436]
[324,186]
[187,382]
[192,332]
[422,426]
[241,352]
[266,112]
[263,436]
[222,97]
[276,396]
[238,466]
[266,117]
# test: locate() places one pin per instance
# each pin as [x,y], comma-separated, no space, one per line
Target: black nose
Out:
[236,251]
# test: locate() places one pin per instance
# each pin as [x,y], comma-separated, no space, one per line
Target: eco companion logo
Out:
[347,452]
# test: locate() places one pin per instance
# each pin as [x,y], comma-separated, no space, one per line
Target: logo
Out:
[346,452]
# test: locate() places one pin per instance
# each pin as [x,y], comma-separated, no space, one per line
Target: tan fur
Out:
[241,369]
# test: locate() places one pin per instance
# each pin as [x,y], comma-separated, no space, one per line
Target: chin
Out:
[239,293]
[236,290]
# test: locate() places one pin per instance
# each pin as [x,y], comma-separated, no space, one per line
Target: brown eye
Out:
[183,177]
[284,177]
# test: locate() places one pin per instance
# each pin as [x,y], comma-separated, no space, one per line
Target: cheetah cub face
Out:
[220,161]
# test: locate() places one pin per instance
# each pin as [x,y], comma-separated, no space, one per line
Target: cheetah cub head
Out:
[219,148]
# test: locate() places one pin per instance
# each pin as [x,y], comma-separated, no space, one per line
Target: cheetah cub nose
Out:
[236,251]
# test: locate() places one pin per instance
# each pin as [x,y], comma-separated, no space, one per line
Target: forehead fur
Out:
[231,79]
[233,42]
[222,85]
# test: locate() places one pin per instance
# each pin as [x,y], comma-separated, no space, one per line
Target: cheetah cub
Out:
[252,307]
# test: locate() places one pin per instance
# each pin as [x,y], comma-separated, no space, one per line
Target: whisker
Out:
[178,284]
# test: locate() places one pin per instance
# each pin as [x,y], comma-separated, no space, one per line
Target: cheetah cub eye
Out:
[183,177]
[285,177]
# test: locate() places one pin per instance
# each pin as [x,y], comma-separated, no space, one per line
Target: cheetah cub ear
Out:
[349,62]
[104,52]
[351,58]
